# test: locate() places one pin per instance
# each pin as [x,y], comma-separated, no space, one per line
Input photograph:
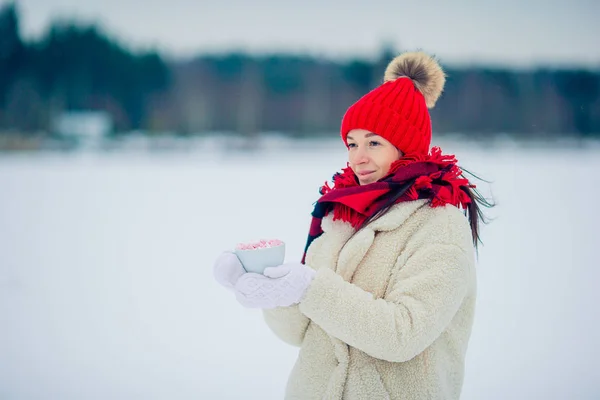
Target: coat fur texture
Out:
[390,311]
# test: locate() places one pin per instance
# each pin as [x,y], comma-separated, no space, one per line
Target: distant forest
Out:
[75,67]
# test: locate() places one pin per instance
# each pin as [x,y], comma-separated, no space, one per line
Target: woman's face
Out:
[370,156]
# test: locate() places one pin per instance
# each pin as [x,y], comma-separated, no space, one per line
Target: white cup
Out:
[256,260]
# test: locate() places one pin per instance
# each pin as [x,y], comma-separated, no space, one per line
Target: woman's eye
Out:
[374,143]
[351,145]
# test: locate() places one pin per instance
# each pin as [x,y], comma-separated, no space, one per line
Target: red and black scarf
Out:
[435,176]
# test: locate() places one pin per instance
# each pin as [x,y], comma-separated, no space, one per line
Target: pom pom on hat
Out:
[423,70]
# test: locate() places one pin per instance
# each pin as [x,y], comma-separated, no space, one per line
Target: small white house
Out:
[86,127]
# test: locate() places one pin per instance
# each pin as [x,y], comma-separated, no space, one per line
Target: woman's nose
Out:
[359,157]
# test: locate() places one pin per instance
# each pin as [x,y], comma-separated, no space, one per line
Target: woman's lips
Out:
[365,173]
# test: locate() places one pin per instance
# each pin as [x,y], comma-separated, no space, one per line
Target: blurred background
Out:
[139,140]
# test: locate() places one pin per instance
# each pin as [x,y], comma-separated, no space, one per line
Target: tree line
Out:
[80,67]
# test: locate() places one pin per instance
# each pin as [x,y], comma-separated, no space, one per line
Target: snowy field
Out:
[106,287]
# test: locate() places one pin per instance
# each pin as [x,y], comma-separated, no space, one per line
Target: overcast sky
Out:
[508,32]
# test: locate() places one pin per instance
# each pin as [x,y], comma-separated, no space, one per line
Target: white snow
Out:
[106,287]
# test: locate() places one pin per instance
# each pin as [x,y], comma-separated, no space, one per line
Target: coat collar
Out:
[396,215]
[354,245]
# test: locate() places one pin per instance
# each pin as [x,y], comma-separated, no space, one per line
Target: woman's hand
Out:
[280,286]
[228,269]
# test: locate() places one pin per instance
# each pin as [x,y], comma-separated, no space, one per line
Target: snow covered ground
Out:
[106,287]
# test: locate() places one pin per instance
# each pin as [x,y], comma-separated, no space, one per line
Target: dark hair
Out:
[473,211]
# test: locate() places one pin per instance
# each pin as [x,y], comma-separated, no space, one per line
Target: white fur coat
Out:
[390,311]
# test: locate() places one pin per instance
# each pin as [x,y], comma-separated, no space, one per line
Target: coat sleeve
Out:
[288,323]
[429,290]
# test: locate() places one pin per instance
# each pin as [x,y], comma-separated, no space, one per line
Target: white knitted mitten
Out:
[228,269]
[280,286]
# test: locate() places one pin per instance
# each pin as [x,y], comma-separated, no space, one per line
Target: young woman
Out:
[383,301]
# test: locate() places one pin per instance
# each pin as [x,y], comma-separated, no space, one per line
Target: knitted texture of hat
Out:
[398,109]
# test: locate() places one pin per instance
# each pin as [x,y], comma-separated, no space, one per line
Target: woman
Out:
[383,301]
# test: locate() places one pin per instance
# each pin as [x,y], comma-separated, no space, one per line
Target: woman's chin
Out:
[368,179]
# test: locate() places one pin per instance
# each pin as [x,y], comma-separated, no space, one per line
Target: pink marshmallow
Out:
[261,244]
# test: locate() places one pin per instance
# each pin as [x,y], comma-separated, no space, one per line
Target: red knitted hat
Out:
[398,109]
